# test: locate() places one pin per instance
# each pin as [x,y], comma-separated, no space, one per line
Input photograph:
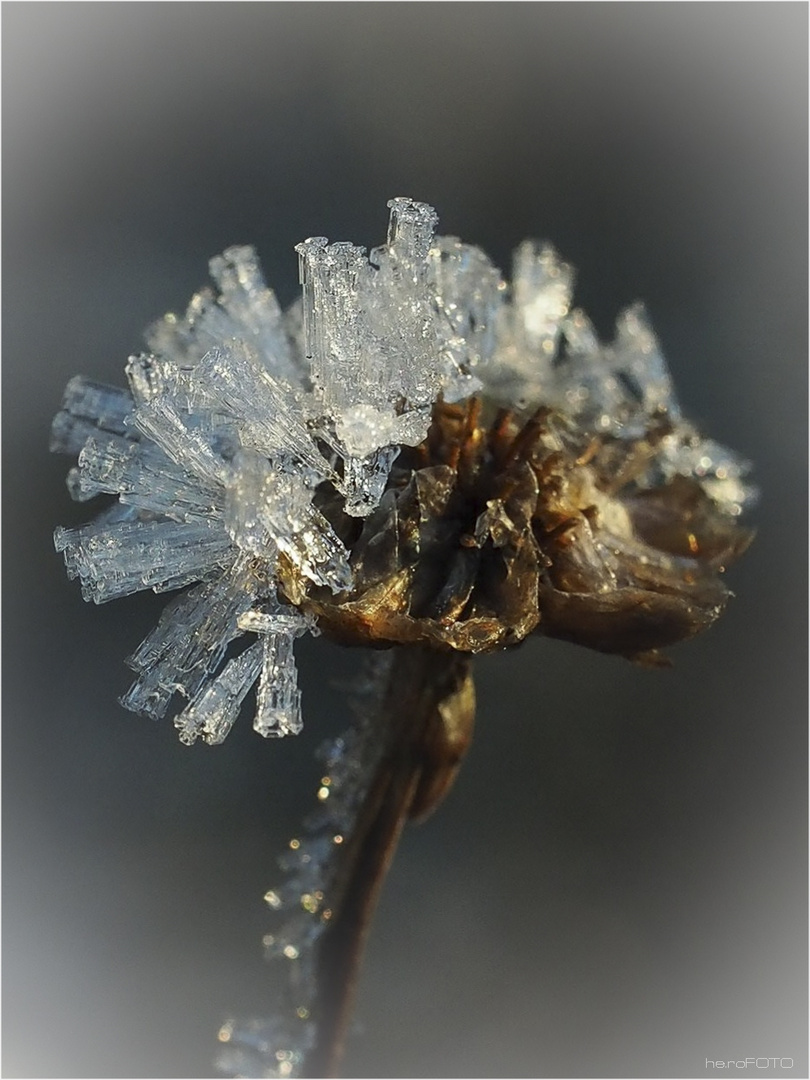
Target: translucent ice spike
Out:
[364,480]
[278,703]
[149,696]
[206,615]
[586,384]
[254,310]
[541,286]
[469,294]
[334,278]
[150,376]
[616,389]
[580,336]
[541,295]
[268,510]
[84,485]
[402,310]
[89,408]
[124,557]
[411,227]
[190,640]
[371,333]
[187,446]
[267,413]
[185,339]
[245,310]
[141,475]
[719,471]
[276,619]
[261,502]
[369,327]
[640,364]
[213,711]
[368,441]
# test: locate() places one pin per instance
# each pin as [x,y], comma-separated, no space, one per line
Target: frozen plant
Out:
[415,456]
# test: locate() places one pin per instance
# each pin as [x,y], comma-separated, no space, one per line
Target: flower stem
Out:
[428,707]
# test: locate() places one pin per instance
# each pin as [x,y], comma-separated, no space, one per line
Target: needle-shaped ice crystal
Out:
[245,310]
[268,511]
[212,713]
[190,641]
[278,699]
[89,408]
[370,328]
[469,296]
[542,287]
[114,560]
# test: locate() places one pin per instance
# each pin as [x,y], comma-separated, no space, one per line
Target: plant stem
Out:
[428,709]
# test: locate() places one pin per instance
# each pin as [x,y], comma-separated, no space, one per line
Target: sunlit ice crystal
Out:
[278,702]
[268,414]
[371,336]
[542,286]
[150,376]
[640,364]
[615,388]
[142,476]
[262,503]
[191,638]
[278,699]
[89,408]
[211,714]
[268,510]
[119,558]
[187,446]
[254,309]
[548,354]
[519,365]
[721,472]
[469,295]
[365,478]
[244,310]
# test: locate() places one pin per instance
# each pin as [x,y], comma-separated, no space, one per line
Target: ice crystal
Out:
[415,452]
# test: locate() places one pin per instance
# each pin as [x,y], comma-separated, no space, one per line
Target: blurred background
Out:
[617,885]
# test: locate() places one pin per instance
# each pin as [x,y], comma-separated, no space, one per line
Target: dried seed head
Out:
[497,527]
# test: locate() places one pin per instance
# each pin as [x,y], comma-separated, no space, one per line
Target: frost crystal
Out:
[250,438]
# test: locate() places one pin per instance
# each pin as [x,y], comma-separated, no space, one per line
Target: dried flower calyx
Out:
[414,452]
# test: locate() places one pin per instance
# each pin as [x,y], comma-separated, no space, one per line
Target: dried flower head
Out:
[413,454]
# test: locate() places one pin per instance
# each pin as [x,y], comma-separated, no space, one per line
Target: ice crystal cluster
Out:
[415,453]
[240,416]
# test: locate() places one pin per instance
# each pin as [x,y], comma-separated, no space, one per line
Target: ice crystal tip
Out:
[265,457]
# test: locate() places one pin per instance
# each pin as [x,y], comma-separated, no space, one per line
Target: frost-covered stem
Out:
[429,702]
[343,947]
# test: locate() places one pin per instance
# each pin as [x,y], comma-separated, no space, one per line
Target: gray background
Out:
[617,885]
